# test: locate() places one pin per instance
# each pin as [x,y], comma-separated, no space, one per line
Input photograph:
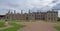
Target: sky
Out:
[25,5]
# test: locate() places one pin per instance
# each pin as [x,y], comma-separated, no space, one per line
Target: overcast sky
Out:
[25,5]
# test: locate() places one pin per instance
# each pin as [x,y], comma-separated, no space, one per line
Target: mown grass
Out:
[14,28]
[22,20]
[1,24]
[57,27]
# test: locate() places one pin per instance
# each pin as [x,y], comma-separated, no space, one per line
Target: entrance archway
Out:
[26,18]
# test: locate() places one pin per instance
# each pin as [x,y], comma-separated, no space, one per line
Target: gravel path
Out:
[38,26]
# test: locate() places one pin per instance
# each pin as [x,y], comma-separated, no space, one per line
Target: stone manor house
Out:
[49,15]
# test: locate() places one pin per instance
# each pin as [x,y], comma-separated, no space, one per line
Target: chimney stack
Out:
[29,11]
[9,12]
[21,11]
[14,11]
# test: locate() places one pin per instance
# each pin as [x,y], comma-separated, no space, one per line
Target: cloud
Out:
[57,7]
[28,4]
[54,1]
[3,12]
[25,3]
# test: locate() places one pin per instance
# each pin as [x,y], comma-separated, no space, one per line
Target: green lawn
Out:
[59,21]
[14,28]
[1,24]
[22,20]
[57,27]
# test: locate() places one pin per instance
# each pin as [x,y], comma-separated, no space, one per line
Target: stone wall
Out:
[49,15]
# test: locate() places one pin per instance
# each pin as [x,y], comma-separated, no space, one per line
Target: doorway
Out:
[26,18]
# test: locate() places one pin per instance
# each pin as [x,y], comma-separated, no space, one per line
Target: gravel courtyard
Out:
[38,26]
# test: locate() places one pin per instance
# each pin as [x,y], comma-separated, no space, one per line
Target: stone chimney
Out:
[21,11]
[29,11]
[9,12]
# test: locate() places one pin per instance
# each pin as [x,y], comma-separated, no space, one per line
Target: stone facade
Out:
[49,15]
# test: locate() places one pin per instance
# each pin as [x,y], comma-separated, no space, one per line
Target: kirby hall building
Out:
[49,15]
